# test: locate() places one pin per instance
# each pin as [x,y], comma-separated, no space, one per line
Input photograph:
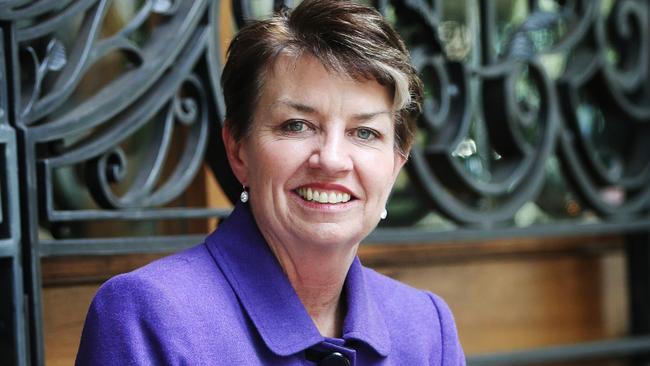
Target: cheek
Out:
[278,159]
[378,174]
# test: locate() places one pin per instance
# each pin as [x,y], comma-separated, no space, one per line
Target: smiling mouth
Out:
[313,195]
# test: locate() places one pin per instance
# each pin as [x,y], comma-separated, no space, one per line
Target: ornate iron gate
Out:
[108,110]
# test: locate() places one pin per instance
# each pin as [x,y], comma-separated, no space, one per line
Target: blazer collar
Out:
[364,320]
[271,302]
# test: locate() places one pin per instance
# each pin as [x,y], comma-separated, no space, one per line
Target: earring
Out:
[384,214]
[244,195]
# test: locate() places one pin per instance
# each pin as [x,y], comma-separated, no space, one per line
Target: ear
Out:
[236,155]
[400,160]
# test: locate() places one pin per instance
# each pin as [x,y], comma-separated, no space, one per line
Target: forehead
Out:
[306,78]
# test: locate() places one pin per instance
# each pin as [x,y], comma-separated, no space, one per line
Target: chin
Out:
[332,235]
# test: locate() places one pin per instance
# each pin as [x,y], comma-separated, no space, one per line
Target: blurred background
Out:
[525,202]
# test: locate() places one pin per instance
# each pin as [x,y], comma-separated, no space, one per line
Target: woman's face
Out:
[319,161]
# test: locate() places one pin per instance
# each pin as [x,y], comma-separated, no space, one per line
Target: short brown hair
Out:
[346,37]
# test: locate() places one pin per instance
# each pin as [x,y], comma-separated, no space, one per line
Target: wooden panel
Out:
[90,270]
[513,303]
[65,310]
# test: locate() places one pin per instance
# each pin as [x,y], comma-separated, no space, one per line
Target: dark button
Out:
[334,359]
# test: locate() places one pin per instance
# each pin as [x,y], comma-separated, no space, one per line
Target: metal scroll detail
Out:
[481,148]
[606,108]
[494,114]
[116,107]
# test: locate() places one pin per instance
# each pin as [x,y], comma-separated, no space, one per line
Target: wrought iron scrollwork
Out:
[482,148]
[110,168]
[606,107]
[491,122]
[128,143]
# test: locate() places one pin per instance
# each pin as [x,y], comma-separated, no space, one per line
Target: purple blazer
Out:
[228,302]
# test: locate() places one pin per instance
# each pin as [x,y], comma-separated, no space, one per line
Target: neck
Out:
[318,279]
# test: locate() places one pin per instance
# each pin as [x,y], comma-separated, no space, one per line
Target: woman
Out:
[321,108]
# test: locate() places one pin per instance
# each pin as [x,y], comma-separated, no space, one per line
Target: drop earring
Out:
[244,195]
[384,214]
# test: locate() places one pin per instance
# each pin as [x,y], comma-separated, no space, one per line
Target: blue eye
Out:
[365,133]
[295,126]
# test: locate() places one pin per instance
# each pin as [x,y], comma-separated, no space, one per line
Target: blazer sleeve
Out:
[452,352]
[128,323]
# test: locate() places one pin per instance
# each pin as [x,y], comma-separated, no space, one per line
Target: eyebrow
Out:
[370,115]
[304,108]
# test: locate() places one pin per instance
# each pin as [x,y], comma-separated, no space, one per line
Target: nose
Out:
[332,156]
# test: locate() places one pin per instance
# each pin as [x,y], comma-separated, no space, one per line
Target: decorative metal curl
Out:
[444,113]
[519,134]
[610,174]
[517,172]
[54,60]
[146,190]
[89,48]
[628,29]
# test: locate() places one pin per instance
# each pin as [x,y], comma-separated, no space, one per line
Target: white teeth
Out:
[322,197]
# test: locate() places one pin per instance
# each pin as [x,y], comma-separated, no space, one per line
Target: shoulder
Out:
[177,280]
[154,288]
[172,310]
[173,268]
[130,319]
[416,318]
